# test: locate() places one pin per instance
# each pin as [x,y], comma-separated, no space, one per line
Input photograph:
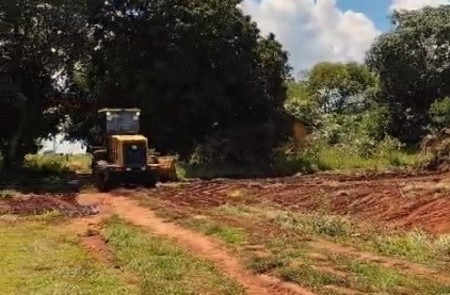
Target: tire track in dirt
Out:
[200,245]
[88,229]
[386,199]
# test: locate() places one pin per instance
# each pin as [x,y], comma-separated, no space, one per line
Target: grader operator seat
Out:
[123,156]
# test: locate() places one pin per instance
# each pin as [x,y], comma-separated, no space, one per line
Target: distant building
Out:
[300,131]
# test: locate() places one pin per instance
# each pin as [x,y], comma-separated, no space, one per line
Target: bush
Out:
[57,164]
[47,164]
[356,141]
[360,134]
[440,114]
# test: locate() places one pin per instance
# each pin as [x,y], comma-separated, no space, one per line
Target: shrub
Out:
[440,114]
[47,164]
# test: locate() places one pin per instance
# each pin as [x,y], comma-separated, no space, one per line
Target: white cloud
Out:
[415,4]
[314,30]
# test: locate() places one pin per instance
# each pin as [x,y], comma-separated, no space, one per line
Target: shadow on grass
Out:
[29,181]
[281,168]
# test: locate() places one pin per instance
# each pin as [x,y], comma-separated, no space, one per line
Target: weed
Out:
[307,276]
[236,210]
[327,225]
[48,216]
[58,164]
[443,244]
[323,202]
[8,194]
[181,172]
[372,278]
[415,246]
[262,265]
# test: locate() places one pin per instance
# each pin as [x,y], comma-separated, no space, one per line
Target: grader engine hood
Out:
[131,149]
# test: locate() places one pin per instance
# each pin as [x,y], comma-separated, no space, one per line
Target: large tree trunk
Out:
[12,158]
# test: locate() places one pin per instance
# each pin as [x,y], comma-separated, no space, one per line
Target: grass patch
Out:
[49,164]
[37,258]
[369,277]
[229,235]
[306,275]
[415,246]
[372,278]
[161,266]
[336,159]
[237,210]
[8,194]
[331,226]
[265,264]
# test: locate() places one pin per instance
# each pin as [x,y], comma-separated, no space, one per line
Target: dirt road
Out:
[200,245]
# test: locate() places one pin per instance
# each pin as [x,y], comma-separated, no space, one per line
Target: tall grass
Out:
[58,164]
[333,158]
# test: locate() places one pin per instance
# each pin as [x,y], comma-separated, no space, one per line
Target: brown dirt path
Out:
[200,245]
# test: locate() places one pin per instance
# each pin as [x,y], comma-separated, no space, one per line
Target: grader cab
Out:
[123,155]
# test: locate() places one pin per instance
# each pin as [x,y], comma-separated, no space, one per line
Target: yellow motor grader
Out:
[123,156]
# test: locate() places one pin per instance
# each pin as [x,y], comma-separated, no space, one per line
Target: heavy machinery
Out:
[123,156]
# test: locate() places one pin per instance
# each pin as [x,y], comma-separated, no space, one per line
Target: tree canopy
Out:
[412,62]
[200,71]
[339,87]
[37,44]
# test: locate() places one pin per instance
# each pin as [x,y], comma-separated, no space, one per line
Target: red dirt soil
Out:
[35,204]
[397,201]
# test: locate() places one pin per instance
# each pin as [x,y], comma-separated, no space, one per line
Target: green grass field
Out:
[40,256]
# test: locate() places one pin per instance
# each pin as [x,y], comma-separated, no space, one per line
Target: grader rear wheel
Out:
[150,181]
[103,182]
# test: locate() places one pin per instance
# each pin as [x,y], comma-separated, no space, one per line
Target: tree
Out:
[440,115]
[301,104]
[37,41]
[413,65]
[339,87]
[198,69]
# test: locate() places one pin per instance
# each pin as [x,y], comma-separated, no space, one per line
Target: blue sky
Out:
[376,10]
[327,30]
